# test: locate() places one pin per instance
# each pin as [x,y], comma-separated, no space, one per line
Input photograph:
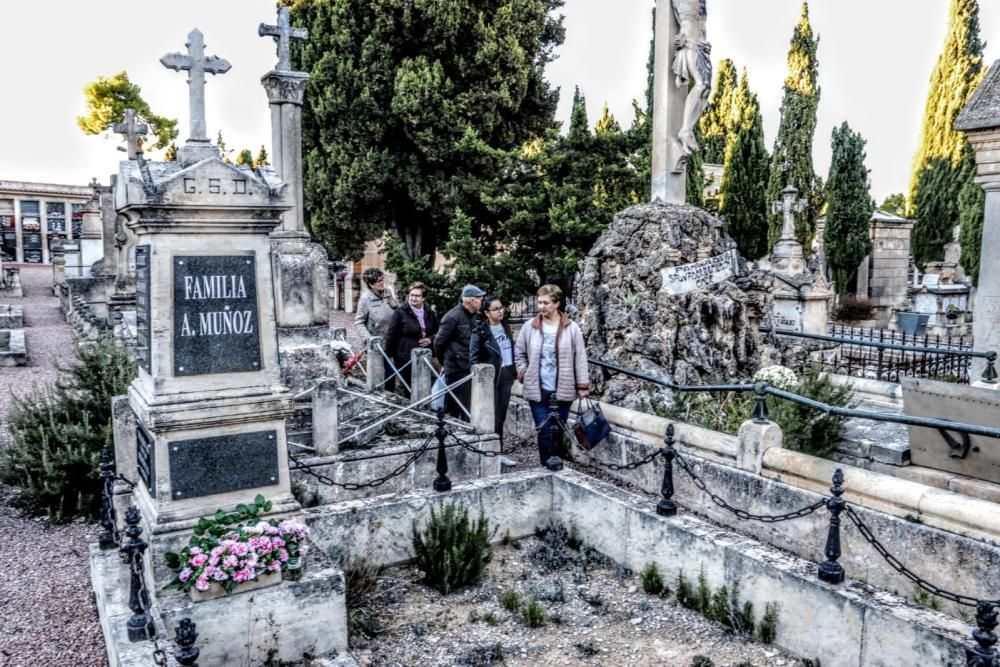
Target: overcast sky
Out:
[875,59]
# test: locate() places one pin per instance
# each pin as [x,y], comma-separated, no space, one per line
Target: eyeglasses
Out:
[495,310]
[416,296]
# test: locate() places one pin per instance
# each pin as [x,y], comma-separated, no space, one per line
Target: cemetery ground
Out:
[594,613]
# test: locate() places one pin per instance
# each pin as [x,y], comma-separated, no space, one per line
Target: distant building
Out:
[34,215]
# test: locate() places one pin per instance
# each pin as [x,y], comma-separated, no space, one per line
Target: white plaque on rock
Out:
[697,275]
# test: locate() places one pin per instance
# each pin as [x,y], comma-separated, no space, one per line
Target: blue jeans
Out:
[547,435]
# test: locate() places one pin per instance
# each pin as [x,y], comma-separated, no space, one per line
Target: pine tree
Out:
[943,163]
[791,160]
[170,155]
[395,87]
[107,99]
[849,207]
[894,204]
[742,203]
[262,159]
[220,143]
[716,123]
[245,157]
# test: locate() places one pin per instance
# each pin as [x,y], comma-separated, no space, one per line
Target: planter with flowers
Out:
[238,552]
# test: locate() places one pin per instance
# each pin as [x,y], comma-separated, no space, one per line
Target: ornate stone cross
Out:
[283,34]
[790,204]
[197,64]
[132,132]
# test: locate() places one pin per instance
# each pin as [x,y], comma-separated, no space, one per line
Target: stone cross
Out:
[131,131]
[283,34]
[790,204]
[197,64]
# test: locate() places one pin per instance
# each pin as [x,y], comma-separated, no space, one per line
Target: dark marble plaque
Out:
[206,466]
[216,319]
[142,284]
[145,458]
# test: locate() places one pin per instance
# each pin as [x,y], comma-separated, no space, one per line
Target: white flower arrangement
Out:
[780,377]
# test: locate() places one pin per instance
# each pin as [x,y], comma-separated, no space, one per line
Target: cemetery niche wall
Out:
[664,291]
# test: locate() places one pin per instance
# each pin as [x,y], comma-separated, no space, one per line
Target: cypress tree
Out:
[849,206]
[716,123]
[971,205]
[261,160]
[943,163]
[742,202]
[791,160]
[396,87]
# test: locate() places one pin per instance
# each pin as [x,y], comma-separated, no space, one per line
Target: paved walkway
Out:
[48,617]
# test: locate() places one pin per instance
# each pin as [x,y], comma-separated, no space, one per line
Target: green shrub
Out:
[726,609]
[57,432]
[703,597]
[767,630]
[451,550]
[652,582]
[685,594]
[804,429]
[702,661]
[510,600]
[532,613]
[490,618]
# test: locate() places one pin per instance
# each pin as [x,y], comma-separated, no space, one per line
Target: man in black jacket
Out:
[451,346]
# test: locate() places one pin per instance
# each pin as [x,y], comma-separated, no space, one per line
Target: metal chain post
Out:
[984,654]
[760,414]
[108,539]
[553,463]
[990,372]
[184,636]
[830,570]
[667,506]
[140,625]
[442,483]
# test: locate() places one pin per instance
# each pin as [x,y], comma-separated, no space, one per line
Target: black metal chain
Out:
[122,478]
[614,467]
[357,486]
[907,572]
[472,448]
[159,654]
[743,514]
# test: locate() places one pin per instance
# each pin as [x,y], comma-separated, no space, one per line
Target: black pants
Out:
[501,399]
[463,393]
[390,378]
[406,374]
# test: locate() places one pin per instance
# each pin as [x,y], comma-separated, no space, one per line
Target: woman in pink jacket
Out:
[551,360]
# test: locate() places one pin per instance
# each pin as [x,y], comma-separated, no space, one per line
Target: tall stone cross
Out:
[132,132]
[283,34]
[682,80]
[197,65]
[789,205]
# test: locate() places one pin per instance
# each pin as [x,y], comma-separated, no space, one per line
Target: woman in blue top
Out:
[492,343]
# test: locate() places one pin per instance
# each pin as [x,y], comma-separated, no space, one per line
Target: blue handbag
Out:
[591,427]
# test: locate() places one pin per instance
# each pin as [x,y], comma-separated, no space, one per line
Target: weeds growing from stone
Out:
[923,598]
[510,600]
[652,581]
[532,613]
[702,661]
[724,607]
[767,631]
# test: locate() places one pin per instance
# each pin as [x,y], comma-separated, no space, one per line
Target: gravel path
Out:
[48,612]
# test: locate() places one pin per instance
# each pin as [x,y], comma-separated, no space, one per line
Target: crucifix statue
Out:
[682,82]
[787,255]
[197,65]
[283,34]
[132,132]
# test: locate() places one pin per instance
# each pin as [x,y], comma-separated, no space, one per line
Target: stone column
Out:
[481,408]
[421,378]
[753,440]
[980,120]
[108,219]
[325,419]
[375,364]
[90,235]
[285,92]
[668,184]
[58,266]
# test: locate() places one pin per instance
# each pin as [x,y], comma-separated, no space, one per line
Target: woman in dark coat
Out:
[493,343]
[413,325]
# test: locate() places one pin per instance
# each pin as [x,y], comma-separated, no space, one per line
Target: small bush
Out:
[685,593]
[58,431]
[452,551]
[484,655]
[510,600]
[489,618]
[725,609]
[703,597]
[361,591]
[767,630]
[652,582]
[702,661]
[532,613]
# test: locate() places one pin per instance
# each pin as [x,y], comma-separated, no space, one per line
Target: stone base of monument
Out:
[283,624]
[309,353]
[11,317]
[13,349]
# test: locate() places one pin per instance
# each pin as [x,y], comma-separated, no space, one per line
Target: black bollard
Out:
[140,625]
[984,654]
[553,463]
[108,539]
[760,414]
[666,506]
[831,571]
[442,483]
[990,372]
[185,636]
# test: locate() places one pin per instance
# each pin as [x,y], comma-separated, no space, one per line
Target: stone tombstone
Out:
[980,120]
[971,455]
[664,291]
